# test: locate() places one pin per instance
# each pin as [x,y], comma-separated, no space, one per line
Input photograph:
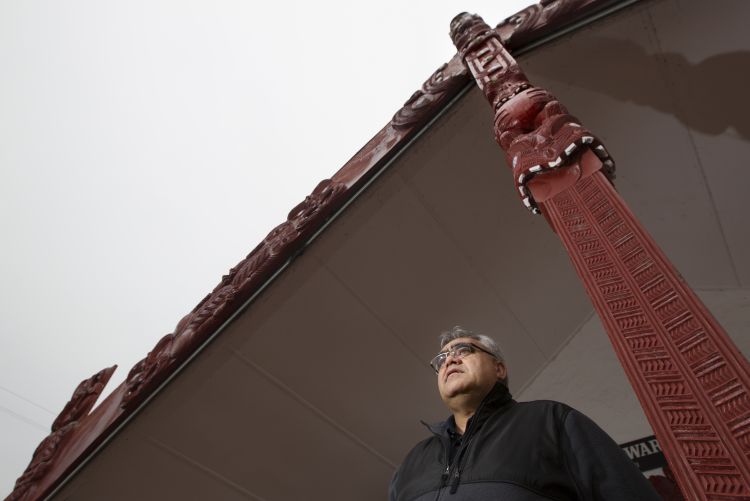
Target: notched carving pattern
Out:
[615,256]
[535,130]
[236,287]
[670,345]
[80,404]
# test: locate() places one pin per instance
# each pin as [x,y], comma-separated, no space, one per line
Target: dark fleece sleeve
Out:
[600,469]
[392,487]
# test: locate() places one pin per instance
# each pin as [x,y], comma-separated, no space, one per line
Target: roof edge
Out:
[83,432]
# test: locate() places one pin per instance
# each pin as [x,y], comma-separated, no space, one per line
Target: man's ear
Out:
[501,371]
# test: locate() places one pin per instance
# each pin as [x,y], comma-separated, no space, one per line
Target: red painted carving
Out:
[83,399]
[235,288]
[691,380]
[80,404]
[542,18]
[693,383]
[279,246]
[532,22]
[149,369]
[421,106]
[536,132]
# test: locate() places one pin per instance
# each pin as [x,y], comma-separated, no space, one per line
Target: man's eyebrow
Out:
[446,350]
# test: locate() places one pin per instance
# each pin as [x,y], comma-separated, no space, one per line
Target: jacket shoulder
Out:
[557,409]
[420,470]
[422,447]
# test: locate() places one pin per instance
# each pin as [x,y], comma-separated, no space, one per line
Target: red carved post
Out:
[691,380]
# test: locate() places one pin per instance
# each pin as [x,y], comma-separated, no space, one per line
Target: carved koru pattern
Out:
[538,17]
[195,328]
[43,457]
[421,105]
[80,404]
[677,356]
[536,132]
[84,397]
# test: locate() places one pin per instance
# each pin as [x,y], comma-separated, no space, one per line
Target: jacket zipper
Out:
[446,473]
[456,466]
[458,458]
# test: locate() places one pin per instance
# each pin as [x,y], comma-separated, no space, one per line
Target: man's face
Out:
[474,374]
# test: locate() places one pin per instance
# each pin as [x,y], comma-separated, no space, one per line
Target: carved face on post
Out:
[536,132]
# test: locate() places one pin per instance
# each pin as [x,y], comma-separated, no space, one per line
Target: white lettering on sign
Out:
[642,449]
[646,453]
[655,445]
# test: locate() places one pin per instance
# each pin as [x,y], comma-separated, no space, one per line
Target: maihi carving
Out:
[424,102]
[526,24]
[236,287]
[80,404]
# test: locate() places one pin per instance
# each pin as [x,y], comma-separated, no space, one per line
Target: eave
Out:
[81,433]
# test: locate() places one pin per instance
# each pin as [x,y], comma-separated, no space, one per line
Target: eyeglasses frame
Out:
[451,353]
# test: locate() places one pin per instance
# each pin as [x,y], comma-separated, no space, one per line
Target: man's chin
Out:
[452,389]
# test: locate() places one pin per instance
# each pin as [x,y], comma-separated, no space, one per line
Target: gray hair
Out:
[487,343]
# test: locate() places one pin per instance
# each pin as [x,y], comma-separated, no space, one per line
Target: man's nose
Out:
[452,358]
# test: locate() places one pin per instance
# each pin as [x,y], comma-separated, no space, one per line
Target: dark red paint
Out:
[66,447]
[690,378]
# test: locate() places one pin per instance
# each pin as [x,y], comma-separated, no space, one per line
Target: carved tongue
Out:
[549,183]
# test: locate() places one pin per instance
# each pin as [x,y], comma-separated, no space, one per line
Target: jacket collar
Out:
[498,397]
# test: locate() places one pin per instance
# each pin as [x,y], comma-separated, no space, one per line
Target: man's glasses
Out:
[458,350]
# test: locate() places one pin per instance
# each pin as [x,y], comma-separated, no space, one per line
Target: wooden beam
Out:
[692,381]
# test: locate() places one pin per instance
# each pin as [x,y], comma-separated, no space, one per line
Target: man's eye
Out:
[463,351]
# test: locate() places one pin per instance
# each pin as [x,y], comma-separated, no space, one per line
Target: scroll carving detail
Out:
[236,287]
[80,404]
[538,18]
[423,103]
[289,237]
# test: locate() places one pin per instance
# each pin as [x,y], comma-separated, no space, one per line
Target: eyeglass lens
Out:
[459,351]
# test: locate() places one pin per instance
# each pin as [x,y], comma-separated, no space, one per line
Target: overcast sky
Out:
[147,146]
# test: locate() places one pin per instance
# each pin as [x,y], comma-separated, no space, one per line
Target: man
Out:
[494,448]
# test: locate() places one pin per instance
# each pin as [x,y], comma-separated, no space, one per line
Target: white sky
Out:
[147,146]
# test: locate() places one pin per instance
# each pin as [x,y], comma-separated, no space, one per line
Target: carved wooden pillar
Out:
[689,377]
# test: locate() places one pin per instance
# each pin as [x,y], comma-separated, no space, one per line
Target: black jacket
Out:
[525,451]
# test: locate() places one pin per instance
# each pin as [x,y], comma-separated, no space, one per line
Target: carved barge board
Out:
[692,382]
[280,246]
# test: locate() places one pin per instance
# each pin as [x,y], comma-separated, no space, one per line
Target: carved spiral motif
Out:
[536,17]
[280,244]
[83,399]
[80,404]
[44,456]
[421,104]
[525,19]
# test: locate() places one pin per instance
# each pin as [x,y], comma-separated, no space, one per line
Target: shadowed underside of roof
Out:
[78,432]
